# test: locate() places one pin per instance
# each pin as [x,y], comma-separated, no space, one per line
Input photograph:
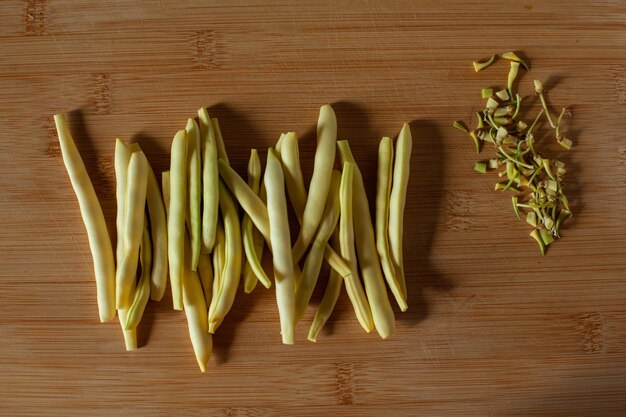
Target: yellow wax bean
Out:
[404,143]
[205,271]
[281,246]
[320,180]
[313,262]
[294,181]
[194,180]
[142,292]
[158,227]
[165,187]
[346,241]
[256,209]
[232,262]
[210,180]
[327,305]
[219,141]
[122,157]
[383,189]
[91,212]
[219,256]
[196,311]
[176,218]
[384,319]
[252,243]
[135,203]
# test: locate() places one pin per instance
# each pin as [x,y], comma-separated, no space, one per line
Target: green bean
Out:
[383,189]
[122,157]
[294,181]
[397,200]
[320,180]
[232,262]
[194,180]
[313,262]
[253,269]
[346,240]
[219,141]
[327,305]
[281,246]
[176,218]
[196,311]
[158,225]
[135,203]
[91,213]
[142,292]
[279,144]
[382,313]
[210,180]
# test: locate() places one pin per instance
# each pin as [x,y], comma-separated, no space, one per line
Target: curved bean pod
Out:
[281,246]
[232,262]
[142,292]
[383,188]
[404,143]
[135,203]
[313,262]
[93,218]
[346,241]
[384,319]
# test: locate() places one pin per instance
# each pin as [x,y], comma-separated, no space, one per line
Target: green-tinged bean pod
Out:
[281,246]
[383,190]
[384,319]
[210,181]
[194,181]
[93,218]
[397,200]
[252,242]
[176,218]
[327,305]
[346,241]
[320,180]
[232,262]
[142,292]
[135,204]
[313,262]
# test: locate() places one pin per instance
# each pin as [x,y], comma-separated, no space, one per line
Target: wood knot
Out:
[206,50]
[457,206]
[230,412]
[591,327]
[619,83]
[345,383]
[35,17]
[100,100]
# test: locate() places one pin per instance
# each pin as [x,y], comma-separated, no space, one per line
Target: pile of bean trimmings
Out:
[194,228]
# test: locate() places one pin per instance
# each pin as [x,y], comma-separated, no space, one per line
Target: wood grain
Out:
[492,327]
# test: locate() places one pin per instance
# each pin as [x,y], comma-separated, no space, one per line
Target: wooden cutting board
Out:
[493,328]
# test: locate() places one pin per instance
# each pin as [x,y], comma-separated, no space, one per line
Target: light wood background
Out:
[492,328]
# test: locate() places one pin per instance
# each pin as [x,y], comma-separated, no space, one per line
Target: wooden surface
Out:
[492,328]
